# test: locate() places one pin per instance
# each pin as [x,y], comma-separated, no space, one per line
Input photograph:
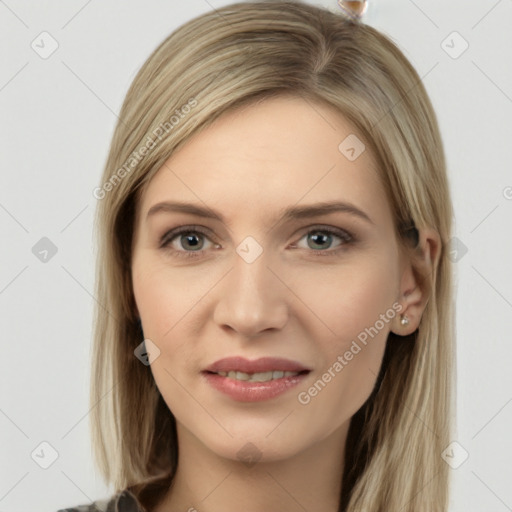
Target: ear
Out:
[418,266]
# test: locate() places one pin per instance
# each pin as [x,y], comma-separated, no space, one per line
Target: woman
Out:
[298,354]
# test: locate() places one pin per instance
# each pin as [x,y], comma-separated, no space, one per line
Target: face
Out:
[318,289]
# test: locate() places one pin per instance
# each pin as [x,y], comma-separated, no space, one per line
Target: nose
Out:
[252,299]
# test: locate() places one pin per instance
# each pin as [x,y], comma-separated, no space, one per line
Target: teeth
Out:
[257,377]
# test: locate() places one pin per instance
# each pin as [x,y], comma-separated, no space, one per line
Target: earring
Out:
[404,320]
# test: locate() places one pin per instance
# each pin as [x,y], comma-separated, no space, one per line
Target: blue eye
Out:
[194,237]
[187,236]
[323,237]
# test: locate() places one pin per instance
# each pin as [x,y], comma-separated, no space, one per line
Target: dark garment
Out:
[123,501]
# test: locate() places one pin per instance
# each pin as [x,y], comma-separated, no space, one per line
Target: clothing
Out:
[123,501]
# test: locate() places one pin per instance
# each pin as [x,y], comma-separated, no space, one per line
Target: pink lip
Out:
[264,364]
[245,391]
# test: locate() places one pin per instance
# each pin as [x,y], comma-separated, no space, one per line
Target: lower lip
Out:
[245,391]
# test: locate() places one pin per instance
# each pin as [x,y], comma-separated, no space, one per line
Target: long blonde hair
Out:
[220,61]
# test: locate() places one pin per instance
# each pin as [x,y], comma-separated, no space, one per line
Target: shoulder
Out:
[123,501]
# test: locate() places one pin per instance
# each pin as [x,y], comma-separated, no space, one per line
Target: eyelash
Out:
[166,239]
[344,235]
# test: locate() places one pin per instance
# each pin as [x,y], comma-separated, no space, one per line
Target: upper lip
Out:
[264,364]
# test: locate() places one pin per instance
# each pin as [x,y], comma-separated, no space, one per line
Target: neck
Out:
[207,482]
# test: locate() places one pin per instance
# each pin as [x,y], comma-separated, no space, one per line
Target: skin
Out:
[290,302]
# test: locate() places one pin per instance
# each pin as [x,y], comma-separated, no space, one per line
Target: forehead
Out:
[279,152]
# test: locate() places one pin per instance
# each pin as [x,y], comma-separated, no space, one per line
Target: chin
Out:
[253,447]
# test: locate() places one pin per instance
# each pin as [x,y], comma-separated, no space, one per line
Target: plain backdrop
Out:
[57,116]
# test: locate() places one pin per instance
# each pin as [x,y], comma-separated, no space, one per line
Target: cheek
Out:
[165,297]
[355,309]
[169,302]
[347,299]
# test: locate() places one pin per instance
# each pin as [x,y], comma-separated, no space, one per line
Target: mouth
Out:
[245,380]
[259,376]
[231,366]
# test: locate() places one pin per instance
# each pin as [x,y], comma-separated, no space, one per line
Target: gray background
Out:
[57,117]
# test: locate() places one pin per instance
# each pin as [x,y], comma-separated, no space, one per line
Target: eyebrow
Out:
[288,214]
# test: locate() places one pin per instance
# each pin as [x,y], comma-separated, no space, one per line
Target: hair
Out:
[236,56]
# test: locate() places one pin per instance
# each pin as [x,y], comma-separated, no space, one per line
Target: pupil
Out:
[316,236]
[191,241]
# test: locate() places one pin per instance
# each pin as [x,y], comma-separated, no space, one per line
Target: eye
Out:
[320,239]
[180,240]
[193,241]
